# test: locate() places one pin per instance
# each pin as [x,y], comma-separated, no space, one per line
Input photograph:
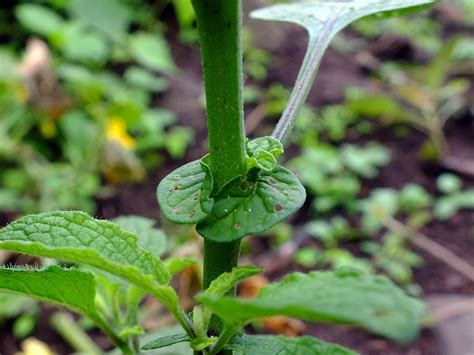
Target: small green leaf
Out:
[262,160]
[177,264]
[184,194]
[68,288]
[151,51]
[38,19]
[268,144]
[268,344]
[166,341]
[220,286]
[227,280]
[273,197]
[149,237]
[345,296]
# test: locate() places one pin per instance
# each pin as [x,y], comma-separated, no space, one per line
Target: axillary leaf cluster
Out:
[249,204]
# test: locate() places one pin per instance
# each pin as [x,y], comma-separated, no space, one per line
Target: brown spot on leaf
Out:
[278,208]
[237,226]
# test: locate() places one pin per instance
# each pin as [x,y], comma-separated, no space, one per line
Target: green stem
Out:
[226,335]
[219,258]
[219,25]
[220,28]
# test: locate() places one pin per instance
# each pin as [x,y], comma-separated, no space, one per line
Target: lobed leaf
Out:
[349,297]
[281,345]
[69,288]
[184,194]
[274,196]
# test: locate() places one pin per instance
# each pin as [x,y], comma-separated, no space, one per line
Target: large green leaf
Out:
[268,344]
[272,198]
[344,296]
[77,237]
[323,19]
[68,288]
[150,238]
[184,195]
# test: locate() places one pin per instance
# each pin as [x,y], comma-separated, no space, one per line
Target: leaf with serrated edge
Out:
[77,237]
[166,341]
[323,19]
[183,195]
[277,195]
[150,238]
[344,296]
[270,344]
[68,288]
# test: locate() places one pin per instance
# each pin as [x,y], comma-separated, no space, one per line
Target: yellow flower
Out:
[33,346]
[117,131]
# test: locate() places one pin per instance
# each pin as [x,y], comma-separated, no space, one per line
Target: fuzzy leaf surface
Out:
[273,197]
[150,238]
[343,296]
[76,237]
[69,288]
[281,345]
[183,195]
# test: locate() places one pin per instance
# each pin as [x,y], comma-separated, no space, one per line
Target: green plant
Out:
[236,191]
[50,138]
[454,198]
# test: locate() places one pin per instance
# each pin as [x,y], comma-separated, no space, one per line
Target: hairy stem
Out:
[219,25]
[317,44]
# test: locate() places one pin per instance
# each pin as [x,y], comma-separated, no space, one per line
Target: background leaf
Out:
[38,19]
[150,238]
[151,51]
[351,297]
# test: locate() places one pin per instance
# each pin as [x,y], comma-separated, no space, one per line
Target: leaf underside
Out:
[344,296]
[166,341]
[281,345]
